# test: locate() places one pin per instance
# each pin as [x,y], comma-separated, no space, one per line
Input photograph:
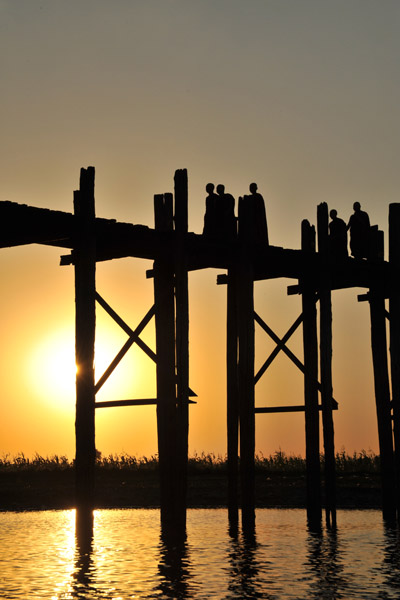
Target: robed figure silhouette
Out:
[210,216]
[359,232]
[337,236]
[253,226]
[225,214]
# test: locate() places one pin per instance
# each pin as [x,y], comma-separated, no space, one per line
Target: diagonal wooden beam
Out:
[133,339]
[114,363]
[278,348]
[146,319]
[134,334]
[282,346]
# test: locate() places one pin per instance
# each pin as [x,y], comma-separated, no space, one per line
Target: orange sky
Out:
[302,97]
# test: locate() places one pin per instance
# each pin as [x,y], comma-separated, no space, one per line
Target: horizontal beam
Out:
[284,409]
[222,279]
[293,290]
[372,296]
[114,403]
[31,225]
[139,402]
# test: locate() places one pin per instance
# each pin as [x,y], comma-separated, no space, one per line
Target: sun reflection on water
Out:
[123,555]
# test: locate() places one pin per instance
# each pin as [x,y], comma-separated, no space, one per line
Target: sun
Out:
[52,369]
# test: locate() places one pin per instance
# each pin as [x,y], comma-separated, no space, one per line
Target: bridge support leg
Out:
[165,371]
[245,304]
[182,341]
[85,324]
[394,312]
[383,409]
[325,304]
[310,345]
[232,398]
[382,388]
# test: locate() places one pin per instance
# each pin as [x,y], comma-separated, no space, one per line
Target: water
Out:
[40,558]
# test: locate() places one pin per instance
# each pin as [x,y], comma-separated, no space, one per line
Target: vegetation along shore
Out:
[128,481]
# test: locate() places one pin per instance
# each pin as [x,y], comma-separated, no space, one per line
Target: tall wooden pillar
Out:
[232,397]
[325,341]
[165,370]
[182,338]
[310,345]
[85,325]
[382,392]
[394,311]
[245,308]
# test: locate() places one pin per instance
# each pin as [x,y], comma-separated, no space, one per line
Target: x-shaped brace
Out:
[281,345]
[134,338]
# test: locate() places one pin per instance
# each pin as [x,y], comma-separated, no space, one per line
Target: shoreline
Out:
[54,490]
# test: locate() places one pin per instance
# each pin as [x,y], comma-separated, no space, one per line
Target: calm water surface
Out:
[41,557]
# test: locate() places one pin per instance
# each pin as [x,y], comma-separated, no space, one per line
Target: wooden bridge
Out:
[175,252]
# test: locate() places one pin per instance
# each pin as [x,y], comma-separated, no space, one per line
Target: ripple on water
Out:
[127,558]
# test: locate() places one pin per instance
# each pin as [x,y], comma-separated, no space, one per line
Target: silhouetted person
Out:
[260,217]
[252,218]
[359,232]
[210,217]
[225,213]
[337,236]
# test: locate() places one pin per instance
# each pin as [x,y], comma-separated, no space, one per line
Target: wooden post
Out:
[310,345]
[325,341]
[165,371]
[85,326]
[182,338]
[394,311]
[245,306]
[382,396]
[232,397]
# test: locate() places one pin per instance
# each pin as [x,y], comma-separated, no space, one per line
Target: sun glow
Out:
[52,370]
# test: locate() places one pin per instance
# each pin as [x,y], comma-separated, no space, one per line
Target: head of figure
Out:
[209,188]
[253,188]
[220,189]
[333,214]
[356,206]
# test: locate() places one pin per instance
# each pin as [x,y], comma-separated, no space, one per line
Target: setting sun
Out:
[52,368]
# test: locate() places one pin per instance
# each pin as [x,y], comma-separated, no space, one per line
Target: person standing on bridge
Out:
[210,216]
[225,214]
[253,226]
[359,226]
[337,236]
[260,217]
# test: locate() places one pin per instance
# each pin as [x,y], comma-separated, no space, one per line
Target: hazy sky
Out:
[301,96]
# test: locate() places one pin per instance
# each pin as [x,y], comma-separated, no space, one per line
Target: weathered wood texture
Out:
[310,345]
[325,304]
[182,338]
[394,311]
[383,409]
[85,325]
[232,396]
[165,371]
[245,311]
[382,394]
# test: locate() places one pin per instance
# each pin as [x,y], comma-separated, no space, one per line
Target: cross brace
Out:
[281,345]
[133,339]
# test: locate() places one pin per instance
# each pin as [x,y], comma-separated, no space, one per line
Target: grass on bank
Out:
[279,462]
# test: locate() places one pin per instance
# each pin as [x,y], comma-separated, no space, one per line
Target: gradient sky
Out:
[301,96]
